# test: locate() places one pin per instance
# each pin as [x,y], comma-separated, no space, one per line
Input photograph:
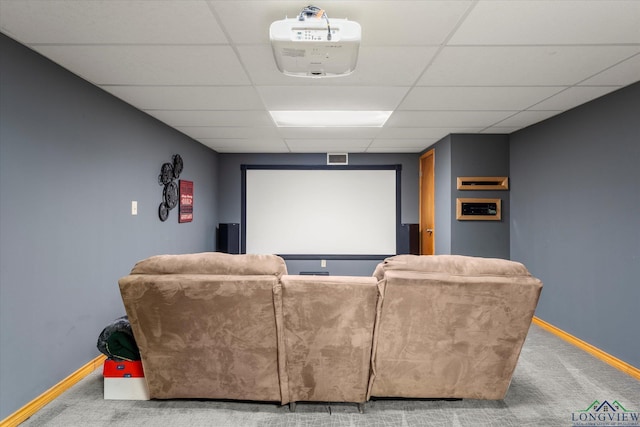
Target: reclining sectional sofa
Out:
[220,326]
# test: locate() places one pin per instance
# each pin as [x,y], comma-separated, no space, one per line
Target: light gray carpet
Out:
[553,379]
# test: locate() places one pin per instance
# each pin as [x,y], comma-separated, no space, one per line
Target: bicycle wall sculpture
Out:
[169,172]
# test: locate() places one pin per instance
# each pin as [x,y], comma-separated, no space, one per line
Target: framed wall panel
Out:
[478,209]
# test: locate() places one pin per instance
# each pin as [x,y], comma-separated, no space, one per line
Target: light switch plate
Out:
[134,207]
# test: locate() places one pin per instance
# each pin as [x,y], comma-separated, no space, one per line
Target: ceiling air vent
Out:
[337,158]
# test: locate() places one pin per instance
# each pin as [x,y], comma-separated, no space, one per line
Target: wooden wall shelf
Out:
[483,183]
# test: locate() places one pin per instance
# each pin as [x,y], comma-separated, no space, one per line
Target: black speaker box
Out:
[414,239]
[409,239]
[229,238]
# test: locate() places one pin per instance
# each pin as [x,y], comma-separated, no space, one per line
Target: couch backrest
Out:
[328,326]
[451,326]
[205,324]
[205,335]
[216,263]
[453,265]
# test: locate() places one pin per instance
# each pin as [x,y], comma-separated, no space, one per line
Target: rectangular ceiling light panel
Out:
[330,118]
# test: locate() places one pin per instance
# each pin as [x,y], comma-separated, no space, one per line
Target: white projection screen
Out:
[342,212]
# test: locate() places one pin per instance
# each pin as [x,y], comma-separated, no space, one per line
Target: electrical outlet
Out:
[134,207]
[323,263]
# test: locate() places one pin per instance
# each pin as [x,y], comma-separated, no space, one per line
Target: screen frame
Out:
[398,225]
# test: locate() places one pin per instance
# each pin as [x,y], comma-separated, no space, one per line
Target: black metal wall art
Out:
[169,172]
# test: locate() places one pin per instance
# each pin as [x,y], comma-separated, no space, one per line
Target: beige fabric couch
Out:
[221,326]
[206,325]
[450,326]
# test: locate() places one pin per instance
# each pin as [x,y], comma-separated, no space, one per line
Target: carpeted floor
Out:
[552,383]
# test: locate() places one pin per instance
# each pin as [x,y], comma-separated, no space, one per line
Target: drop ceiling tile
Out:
[390,66]
[398,149]
[110,21]
[323,145]
[521,66]
[526,118]
[409,23]
[179,118]
[387,66]
[250,149]
[331,97]
[550,22]
[246,145]
[229,132]
[188,97]
[327,149]
[622,74]
[475,98]
[406,23]
[247,22]
[150,65]
[506,130]
[329,133]
[573,97]
[439,119]
[423,133]
[383,22]
[406,143]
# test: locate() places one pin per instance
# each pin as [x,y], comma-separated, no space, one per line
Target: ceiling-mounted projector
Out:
[312,46]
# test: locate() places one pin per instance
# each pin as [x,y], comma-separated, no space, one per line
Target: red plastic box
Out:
[124,381]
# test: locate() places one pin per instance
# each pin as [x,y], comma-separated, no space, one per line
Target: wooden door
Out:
[427,203]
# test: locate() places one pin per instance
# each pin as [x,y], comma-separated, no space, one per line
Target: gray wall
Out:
[480,155]
[230,190]
[575,209]
[72,158]
[470,155]
[442,188]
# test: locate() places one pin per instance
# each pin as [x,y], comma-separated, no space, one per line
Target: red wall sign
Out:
[186,201]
